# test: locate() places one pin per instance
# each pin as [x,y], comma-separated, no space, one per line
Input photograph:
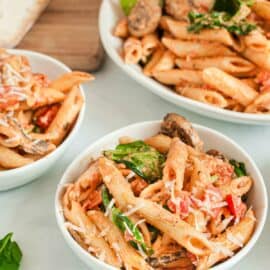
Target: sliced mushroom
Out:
[178,260]
[175,125]
[144,17]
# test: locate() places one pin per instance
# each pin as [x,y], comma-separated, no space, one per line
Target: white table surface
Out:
[113,101]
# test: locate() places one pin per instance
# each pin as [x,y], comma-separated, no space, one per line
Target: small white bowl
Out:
[110,13]
[16,177]
[213,140]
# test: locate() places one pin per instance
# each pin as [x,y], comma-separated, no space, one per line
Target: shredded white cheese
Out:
[139,222]
[131,175]
[235,239]
[104,232]
[133,210]
[74,227]
[219,248]
[109,208]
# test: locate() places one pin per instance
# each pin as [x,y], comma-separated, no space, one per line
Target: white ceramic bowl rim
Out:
[72,133]
[156,87]
[87,153]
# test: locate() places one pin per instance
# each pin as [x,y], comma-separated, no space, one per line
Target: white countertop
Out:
[113,101]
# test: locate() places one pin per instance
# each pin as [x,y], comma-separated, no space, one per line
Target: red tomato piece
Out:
[236,206]
[45,116]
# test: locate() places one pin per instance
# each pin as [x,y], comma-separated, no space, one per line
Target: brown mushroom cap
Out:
[144,17]
[175,125]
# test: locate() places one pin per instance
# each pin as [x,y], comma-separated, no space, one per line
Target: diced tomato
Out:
[93,201]
[138,185]
[45,116]
[183,207]
[236,206]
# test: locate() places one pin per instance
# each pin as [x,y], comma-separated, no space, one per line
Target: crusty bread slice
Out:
[16,18]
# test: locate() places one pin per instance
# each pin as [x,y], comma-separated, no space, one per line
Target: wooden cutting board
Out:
[68,31]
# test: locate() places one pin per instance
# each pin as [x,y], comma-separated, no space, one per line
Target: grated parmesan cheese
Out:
[130,175]
[109,208]
[133,210]
[235,239]
[74,227]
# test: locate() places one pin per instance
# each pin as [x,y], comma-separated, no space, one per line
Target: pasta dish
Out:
[161,203]
[36,114]
[212,51]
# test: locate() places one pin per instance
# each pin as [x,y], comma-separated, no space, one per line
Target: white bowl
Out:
[212,139]
[20,176]
[110,12]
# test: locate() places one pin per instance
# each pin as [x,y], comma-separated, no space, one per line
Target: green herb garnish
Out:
[127,5]
[239,168]
[223,15]
[139,157]
[125,224]
[10,254]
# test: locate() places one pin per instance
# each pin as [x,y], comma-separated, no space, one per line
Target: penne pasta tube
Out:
[160,142]
[42,97]
[234,65]
[179,30]
[150,43]
[156,215]
[90,234]
[166,62]
[10,159]
[133,51]
[174,169]
[231,240]
[148,69]
[130,258]
[203,95]
[261,59]
[121,28]
[251,83]
[65,82]
[229,85]
[66,115]
[262,9]
[238,186]
[177,76]
[261,104]
[256,41]
[196,49]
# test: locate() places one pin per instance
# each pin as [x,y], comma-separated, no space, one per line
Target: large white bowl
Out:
[212,139]
[16,177]
[110,12]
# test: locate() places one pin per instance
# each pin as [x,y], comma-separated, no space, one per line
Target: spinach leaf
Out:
[231,6]
[239,168]
[124,223]
[139,157]
[10,254]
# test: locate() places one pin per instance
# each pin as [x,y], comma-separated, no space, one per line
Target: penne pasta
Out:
[67,81]
[226,243]
[177,76]
[179,30]
[203,95]
[233,65]
[199,49]
[229,85]
[262,9]
[174,169]
[166,62]
[89,233]
[10,159]
[150,43]
[66,116]
[130,258]
[121,29]
[133,51]
[155,58]
[261,104]
[160,142]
